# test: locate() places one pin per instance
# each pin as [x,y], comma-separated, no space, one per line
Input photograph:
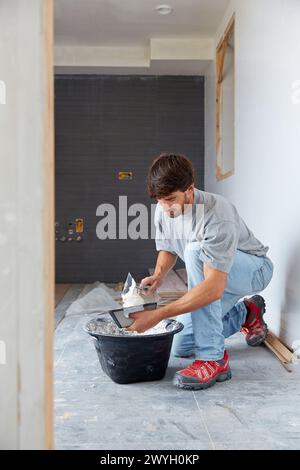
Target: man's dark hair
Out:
[169,173]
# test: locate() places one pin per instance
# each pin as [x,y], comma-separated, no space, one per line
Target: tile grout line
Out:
[204,423]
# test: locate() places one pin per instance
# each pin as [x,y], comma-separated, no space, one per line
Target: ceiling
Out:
[133,22]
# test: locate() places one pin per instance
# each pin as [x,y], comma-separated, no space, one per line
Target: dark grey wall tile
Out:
[106,124]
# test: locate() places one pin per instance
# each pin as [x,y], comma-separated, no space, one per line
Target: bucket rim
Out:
[173,332]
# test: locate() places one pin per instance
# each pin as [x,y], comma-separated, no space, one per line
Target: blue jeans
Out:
[206,328]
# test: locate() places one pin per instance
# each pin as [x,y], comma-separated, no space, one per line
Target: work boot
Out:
[203,374]
[254,327]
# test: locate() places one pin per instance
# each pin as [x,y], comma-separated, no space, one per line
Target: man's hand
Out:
[154,281]
[144,320]
[165,262]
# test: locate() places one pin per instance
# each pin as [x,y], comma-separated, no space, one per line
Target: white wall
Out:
[158,56]
[266,183]
[26,230]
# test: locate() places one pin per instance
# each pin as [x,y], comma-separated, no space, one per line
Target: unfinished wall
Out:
[26,233]
[265,186]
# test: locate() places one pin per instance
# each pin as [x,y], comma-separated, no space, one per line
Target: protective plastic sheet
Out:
[94,298]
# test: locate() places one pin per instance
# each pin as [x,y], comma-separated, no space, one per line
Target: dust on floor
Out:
[257,409]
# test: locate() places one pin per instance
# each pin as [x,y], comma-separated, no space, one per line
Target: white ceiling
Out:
[133,22]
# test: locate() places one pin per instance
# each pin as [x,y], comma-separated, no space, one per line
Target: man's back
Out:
[218,227]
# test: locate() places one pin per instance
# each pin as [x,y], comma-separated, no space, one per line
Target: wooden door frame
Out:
[220,60]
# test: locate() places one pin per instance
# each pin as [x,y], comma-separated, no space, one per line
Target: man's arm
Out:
[206,292]
[165,262]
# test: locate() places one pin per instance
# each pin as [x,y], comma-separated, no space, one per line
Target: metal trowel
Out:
[121,315]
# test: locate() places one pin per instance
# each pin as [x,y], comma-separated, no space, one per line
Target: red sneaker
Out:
[203,374]
[254,327]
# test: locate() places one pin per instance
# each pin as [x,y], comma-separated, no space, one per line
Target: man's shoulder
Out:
[210,200]
[206,196]
[218,207]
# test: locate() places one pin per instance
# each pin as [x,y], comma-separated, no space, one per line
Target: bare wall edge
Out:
[26,194]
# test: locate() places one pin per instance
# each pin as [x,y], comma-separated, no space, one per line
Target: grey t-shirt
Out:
[213,224]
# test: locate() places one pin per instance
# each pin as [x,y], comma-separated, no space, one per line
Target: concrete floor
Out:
[257,409]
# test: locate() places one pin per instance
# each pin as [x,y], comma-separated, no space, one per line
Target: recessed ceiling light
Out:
[164,9]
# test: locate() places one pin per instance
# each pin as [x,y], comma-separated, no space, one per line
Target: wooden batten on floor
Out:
[282,353]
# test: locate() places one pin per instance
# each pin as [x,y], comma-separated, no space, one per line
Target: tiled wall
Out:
[107,124]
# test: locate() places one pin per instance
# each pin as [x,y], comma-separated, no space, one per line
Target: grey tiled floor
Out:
[257,409]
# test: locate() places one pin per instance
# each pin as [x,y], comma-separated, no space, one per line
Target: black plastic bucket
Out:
[135,358]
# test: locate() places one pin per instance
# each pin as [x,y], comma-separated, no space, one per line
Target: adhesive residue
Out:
[108,327]
[132,296]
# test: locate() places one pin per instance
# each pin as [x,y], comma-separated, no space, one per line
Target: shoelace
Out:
[195,365]
[244,329]
[206,367]
[256,329]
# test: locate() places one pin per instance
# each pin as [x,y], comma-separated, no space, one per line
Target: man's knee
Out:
[262,277]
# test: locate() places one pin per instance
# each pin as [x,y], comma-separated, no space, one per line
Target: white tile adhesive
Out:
[99,298]
[132,296]
[108,327]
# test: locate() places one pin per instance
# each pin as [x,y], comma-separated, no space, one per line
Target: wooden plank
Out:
[283,354]
[228,31]
[171,283]
[166,295]
[220,59]
[219,77]
[183,275]
[275,351]
[276,344]
[221,176]
[172,292]
[171,297]
[281,359]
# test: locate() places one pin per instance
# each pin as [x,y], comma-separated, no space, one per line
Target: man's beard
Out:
[181,209]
